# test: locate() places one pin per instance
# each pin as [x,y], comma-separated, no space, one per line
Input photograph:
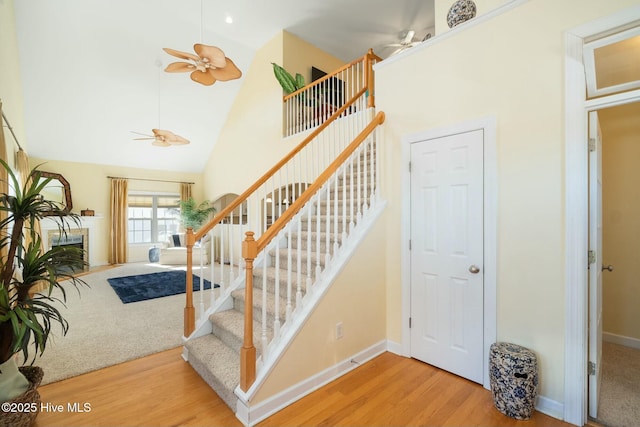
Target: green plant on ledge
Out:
[27,317]
[193,214]
[286,80]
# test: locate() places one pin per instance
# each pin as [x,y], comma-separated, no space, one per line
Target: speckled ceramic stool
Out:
[513,373]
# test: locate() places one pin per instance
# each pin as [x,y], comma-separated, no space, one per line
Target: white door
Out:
[595,261]
[447,283]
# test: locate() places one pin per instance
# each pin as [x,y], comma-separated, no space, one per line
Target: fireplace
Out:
[78,238]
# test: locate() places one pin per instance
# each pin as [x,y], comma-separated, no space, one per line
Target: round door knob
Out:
[474,269]
[607,267]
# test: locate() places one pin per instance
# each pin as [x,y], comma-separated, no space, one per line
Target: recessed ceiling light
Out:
[228,19]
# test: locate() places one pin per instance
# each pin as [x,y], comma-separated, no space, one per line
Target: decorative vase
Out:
[461,11]
[27,404]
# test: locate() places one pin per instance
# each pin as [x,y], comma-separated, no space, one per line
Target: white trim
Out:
[504,8]
[612,100]
[575,385]
[488,125]
[256,413]
[590,66]
[550,407]
[621,340]
[395,348]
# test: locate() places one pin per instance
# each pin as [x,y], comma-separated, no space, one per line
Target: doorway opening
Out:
[614,385]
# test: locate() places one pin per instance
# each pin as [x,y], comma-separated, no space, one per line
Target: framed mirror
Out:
[57,190]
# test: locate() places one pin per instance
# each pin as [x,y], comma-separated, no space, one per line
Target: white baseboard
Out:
[550,407]
[395,348]
[621,340]
[256,413]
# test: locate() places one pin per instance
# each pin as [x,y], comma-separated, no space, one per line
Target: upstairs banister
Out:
[353,105]
[369,56]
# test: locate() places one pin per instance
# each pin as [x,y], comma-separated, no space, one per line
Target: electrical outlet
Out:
[339,331]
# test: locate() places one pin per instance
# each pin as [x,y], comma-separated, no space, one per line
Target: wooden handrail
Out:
[295,207]
[191,238]
[244,196]
[252,247]
[368,58]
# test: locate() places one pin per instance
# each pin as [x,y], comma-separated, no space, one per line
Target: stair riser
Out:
[258,284]
[284,264]
[238,305]
[313,226]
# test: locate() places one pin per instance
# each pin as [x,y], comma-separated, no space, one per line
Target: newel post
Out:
[371,102]
[248,350]
[189,310]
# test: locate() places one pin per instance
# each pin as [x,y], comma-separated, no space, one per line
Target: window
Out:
[152,217]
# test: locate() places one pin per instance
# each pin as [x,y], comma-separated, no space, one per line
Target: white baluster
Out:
[289,274]
[264,338]
[276,322]
[299,266]
[309,228]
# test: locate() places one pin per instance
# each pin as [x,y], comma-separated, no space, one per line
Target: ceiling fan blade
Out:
[180,54]
[211,54]
[140,133]
[179,67]
[144,139]
[229,72]
[409,36]
[160,143]
[203,77]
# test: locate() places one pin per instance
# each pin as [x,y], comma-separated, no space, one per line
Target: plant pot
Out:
[24,409]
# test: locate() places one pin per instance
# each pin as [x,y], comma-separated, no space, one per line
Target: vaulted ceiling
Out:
[91,70]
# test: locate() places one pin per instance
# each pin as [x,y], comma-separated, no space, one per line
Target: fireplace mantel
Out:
[50,225]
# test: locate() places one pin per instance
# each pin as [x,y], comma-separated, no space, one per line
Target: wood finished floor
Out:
[163,390]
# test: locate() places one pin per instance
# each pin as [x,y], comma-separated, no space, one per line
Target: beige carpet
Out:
[103,331]
[620,390]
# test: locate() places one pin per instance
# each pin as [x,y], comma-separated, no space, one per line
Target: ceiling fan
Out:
[407,42]
[207,65]
[162,138]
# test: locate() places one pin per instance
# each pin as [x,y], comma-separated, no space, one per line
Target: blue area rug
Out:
[154,285]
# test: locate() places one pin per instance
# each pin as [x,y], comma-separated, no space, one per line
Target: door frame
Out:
[490,195]
[577,108]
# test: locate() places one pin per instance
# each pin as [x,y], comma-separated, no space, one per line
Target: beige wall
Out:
[621,219]
[251,139]
[512,69]
[356,299]
[90,189]
[10,81]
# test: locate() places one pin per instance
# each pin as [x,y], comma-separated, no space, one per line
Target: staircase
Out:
[307,214]
[318,235]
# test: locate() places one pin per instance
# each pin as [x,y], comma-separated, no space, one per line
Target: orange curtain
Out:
[118,231]
[185,191]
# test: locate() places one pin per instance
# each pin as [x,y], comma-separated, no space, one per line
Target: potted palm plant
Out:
[193,214]
[27,317]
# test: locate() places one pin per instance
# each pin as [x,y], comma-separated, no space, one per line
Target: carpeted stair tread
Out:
[271,279]
[217,364]
[239,298]
[228,326]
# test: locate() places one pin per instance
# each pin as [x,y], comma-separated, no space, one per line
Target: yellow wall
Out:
[251,140]
[356,299]
[621,219]
[10,81]
[299,56]
[90,189]
[511,68]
